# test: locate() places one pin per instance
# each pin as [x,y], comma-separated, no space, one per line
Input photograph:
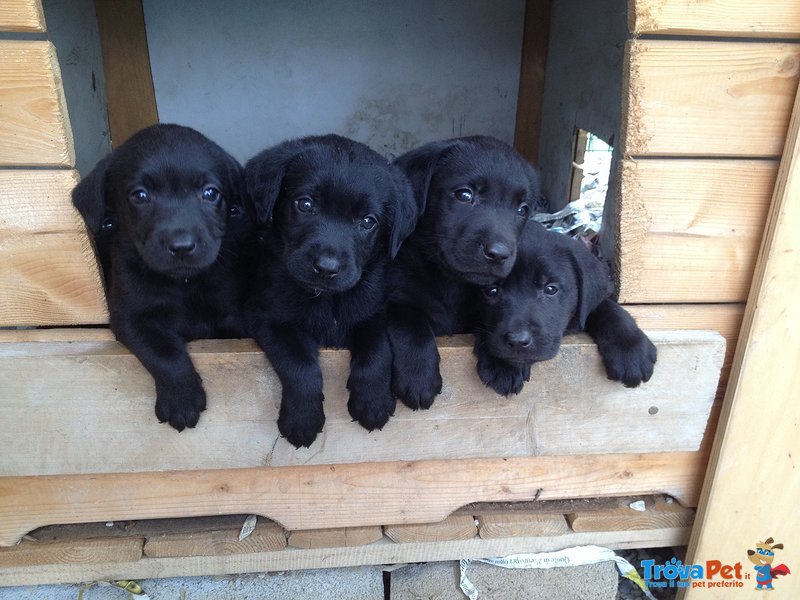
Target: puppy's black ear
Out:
[418,165]
[592,275]
[89,196]
[533,184]
[263,175]
[405,211]
[233,174]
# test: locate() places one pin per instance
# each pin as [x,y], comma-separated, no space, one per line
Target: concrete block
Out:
[440,581]
[360,583]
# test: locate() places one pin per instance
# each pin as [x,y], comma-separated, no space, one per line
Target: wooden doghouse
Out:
[704,124]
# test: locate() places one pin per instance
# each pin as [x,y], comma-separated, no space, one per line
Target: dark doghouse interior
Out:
[393,75]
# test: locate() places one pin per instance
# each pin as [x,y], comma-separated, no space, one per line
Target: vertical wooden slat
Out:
[126,63]
[531,79]
[34,124]
[752,486]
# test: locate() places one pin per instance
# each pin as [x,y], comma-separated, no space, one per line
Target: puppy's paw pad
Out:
[301,427]
[632,364]
[503,378]
[417,393]
[371,413]
[180,406]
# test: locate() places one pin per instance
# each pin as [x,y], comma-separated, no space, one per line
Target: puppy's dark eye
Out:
[464,195]
[139,196]
[523,210]
[108,225]
[211,194]
[234,211]
[551,290]
[304,204]
[369,222]
[491,292]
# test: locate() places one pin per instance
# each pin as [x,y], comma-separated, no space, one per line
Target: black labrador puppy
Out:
[334,213]
[170,222]
[556,286]
[476,194]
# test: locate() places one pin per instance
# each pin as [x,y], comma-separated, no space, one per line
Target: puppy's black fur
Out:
[556,285]
[334,213]
[476,194]
[169,219]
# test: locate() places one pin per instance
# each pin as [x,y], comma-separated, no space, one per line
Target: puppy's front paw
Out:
[417,383]
[300,420]
[370,405]
[631,361]
[180,403]
[503,378]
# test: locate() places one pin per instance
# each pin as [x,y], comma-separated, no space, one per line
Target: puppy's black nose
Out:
[497,252]
[326,265]
[518,339]
[182,244]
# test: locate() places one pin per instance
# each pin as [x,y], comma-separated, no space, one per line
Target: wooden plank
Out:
[49,274]
[562,424]
[83,552]
[34,125]
[126,63]
[531,79]
[521,524]
[101,383]
[454,527]
[690,229]
[22,15]
[730,18]
[759,435]
[267,537]
[335,537]
[379,553]
[724,318]
[360,494]
[658,514]
[690,98]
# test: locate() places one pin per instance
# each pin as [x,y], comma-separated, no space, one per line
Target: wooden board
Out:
[379,553]
[521,524]
[690,98]
[349,495]
[731,18]
[126,64]
[34,125]
[658,514]
[454,527]
[335,537]
[88,551]
[22,15]
[48,275]
[102,384]
[690,229]
[724,318]
[759,435]
[531,79]
[267,537]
